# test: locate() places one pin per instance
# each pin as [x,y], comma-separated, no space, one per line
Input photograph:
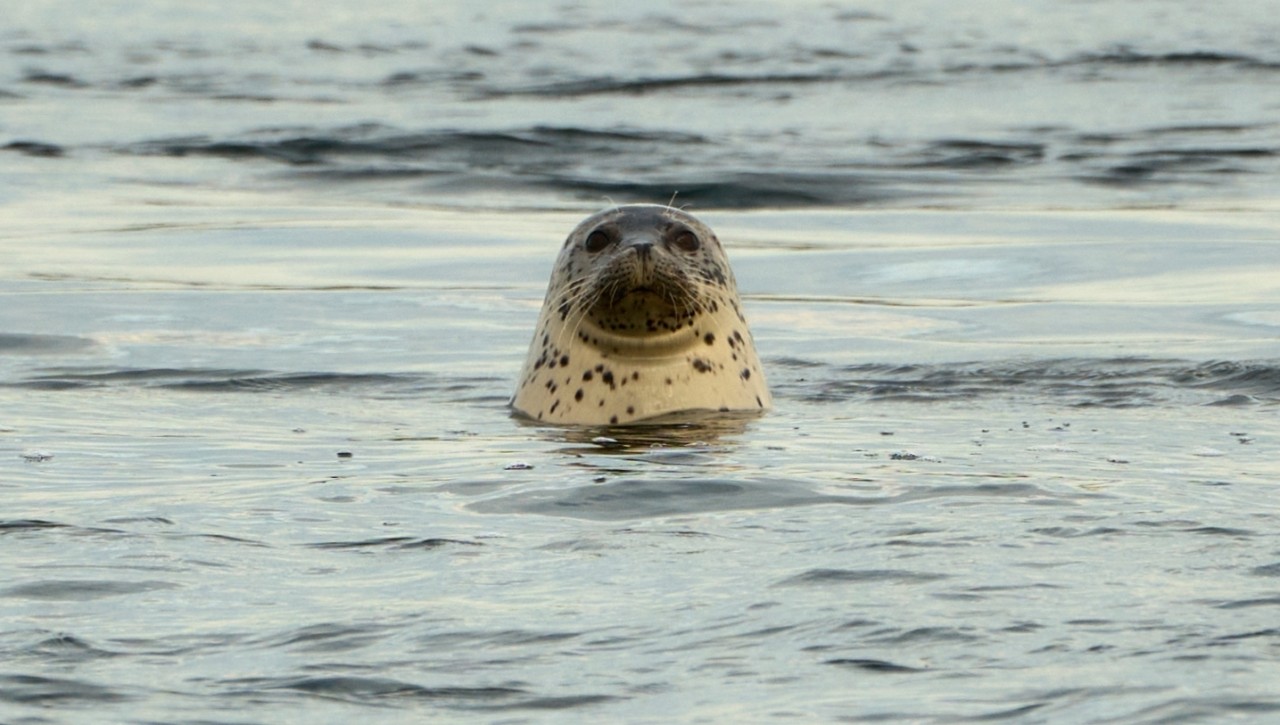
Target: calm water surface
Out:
[268,274]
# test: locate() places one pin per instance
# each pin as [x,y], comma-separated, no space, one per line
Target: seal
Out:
[642,318]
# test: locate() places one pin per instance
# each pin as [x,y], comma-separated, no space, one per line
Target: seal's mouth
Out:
[649,300]
[644,310]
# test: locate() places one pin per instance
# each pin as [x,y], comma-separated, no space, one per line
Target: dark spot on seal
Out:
[713,275]
[607,378]
[578,395]
[709,338]
[746,373]
[554,406]
[564,361]
[613,420]
[631,410]
[701,365]
[586,377]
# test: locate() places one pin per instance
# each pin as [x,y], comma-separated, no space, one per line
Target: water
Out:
[269,272]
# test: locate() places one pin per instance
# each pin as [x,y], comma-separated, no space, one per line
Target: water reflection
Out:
[691,429]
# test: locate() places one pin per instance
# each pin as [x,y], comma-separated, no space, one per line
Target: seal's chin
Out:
[642,312]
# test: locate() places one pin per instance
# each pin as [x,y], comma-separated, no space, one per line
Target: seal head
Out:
[642,318]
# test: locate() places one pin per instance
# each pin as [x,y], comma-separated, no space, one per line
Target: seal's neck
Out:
[639,344]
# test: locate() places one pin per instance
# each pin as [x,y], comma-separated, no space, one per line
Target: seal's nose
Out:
[643,249]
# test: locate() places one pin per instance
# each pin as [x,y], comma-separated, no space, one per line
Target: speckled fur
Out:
[640,319]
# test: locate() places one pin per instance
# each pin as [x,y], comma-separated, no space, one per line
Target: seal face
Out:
[641,318]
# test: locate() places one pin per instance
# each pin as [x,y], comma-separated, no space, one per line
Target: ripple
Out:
[641,498]
[66,648]
[366,688]
[32,526]
[37,149]
[880,666]
[860,576]
[1267,570]
[81,590]
[1079,382]
[330,637]
[50,691]
[398,543]
[24,344]
[385,690]
[219,380]
[1207,709]
[1251,603]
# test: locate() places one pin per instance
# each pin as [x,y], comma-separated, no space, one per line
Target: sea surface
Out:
[268,271]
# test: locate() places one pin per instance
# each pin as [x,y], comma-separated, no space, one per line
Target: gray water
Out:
[269,270]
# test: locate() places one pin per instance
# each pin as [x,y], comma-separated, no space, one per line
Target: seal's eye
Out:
[687,241]
[596,241]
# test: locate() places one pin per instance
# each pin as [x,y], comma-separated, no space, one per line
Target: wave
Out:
[792,68]
[1103,383]
[38,149]
[36,690]
[31,344]
[609,85]
[314,146]
[858,72]
[215,380]
[1080,382]
[1125,56]
[360,689]
[629,164]
[589,163]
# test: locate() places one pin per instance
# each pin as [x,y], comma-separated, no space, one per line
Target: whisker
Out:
[580,290]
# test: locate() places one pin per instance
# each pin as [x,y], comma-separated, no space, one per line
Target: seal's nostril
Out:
[644,249]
